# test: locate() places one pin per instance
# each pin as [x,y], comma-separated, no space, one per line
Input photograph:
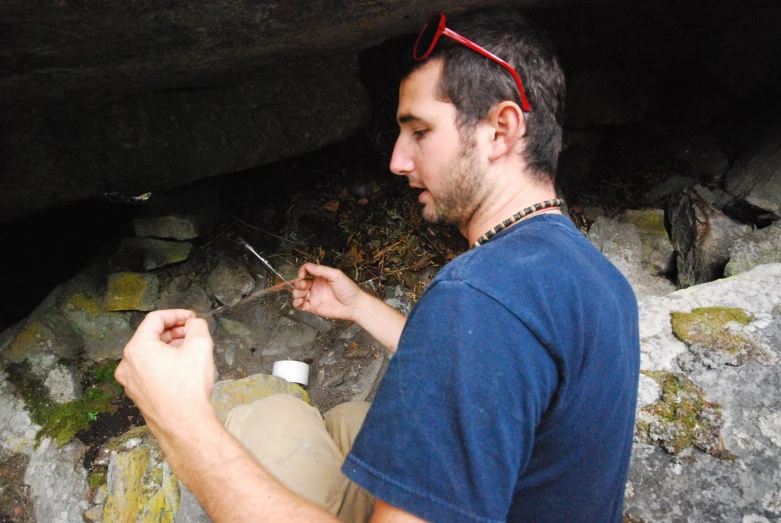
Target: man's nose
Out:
[401,163]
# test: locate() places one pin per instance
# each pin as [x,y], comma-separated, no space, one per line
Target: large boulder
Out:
[58,481]
[755,178]
[754,248]
[621,244]
[707,445]
[130,98]
[701,236]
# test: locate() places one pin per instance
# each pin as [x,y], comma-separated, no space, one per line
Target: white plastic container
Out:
[292,371]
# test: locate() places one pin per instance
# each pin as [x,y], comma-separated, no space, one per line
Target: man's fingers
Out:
[120,373]
[158,322]
[329,273]
[195,329]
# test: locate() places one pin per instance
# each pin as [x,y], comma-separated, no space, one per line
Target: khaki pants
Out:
[304,453]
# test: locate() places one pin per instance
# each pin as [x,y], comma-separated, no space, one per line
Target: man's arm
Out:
[333,295]
[168,370]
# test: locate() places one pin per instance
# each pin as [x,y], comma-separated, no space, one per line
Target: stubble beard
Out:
[461,192]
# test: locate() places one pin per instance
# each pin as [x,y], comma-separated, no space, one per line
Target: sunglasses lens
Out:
[427,38]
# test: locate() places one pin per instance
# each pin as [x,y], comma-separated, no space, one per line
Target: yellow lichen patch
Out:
[142,487]
[84,303]
[708,327]
[131,291]
[681,418]
[647,221]
[125,497]
[32,339]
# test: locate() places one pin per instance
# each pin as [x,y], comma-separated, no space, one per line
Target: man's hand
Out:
[168,370]
[330,294]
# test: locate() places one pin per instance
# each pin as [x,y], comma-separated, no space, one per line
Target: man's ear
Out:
[508,124]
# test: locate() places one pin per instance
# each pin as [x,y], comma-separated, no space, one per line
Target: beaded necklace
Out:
[547,204]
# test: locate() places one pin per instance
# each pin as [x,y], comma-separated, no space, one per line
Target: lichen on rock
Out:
[681,418]
[715,337]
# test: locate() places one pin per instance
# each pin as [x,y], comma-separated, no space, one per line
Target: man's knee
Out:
[344,421]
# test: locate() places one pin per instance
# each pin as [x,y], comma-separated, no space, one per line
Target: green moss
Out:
[32,391]
[682,417]
[97,479]
[63,422]
[706,327]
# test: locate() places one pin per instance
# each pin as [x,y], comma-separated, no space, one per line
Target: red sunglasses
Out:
[435,27]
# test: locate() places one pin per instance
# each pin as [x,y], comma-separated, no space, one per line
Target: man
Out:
[512,394]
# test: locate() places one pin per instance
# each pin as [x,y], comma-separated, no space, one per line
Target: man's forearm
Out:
[229,483]
[381,320]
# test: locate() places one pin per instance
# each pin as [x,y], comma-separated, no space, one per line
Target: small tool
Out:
[267,264]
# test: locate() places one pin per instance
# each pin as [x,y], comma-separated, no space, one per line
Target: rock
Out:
[64,384]
[230,281]
[592,213]
[648,391]
[621,244]
[578,154]
[58,482]
[45,332]
[132,291]
[290,339]
[158,139]
[234,336]
[603,98]
[657,254]
[398,299]
[703,154]
[755,178]
[17,430]
[701,236]
[350,331]
[737,477]
[178,216]
[105,333]
[94,513]
[368,380]
[321,325]
[714,196]
[754,248]
[190,511]
[660,194]
[231,393]
[141,486]
[181,293]
[146,254]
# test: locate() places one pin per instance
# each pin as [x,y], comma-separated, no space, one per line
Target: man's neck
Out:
[504,201]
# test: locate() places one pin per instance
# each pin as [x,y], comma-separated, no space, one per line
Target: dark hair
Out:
[474,84]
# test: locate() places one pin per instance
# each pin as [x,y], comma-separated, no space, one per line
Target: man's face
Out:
[432,153]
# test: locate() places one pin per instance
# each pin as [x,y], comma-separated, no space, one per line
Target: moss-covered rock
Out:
[131,291]
[715,336]
[62,422]
[681,418]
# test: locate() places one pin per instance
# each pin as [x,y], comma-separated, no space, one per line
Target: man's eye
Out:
[420,133]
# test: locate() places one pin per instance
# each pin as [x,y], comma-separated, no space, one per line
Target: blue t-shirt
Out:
[512,394]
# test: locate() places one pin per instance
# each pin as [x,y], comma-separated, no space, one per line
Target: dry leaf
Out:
[332,206]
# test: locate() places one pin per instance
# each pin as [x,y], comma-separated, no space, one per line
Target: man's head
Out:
[475,84]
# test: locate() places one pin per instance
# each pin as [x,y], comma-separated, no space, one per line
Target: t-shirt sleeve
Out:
[453,423]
